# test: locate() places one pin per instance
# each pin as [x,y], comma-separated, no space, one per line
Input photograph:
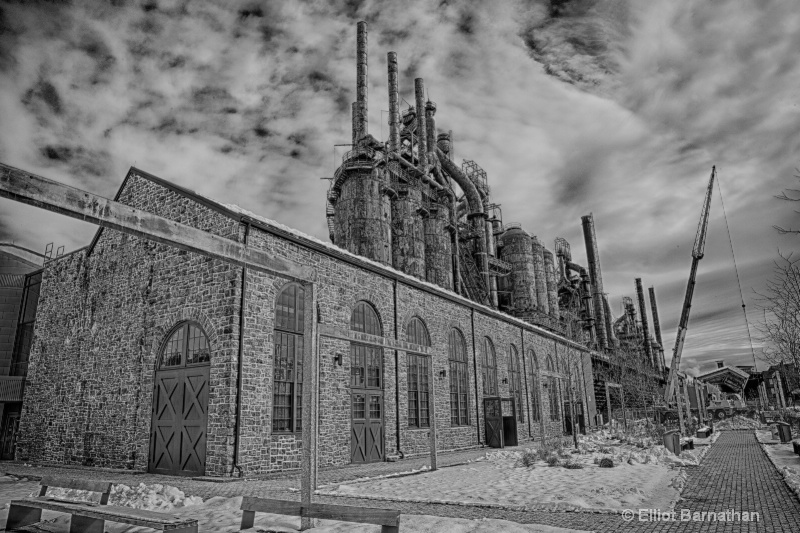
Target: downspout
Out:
[240,364]
[525,373]
[396,370]
[475,366]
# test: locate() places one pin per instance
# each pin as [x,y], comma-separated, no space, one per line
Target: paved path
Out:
[735,474]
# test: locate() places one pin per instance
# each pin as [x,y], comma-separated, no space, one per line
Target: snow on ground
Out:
[768,436]
[223,515]
[786,461]
[737,422]
[639,481]
[155,497]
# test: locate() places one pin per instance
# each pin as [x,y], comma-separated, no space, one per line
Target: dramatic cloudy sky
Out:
[614,107]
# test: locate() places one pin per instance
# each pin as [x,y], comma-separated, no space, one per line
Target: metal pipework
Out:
[593,258]
[588,308]
[648,350]
[422,134]
[361,78]
[542,303]
[552,283]
[394,104]
[430,122]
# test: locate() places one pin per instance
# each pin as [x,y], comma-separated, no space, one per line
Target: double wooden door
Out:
[180,416]
[366,439]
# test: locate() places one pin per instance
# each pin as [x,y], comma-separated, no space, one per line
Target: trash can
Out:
[672,441]
[784,431]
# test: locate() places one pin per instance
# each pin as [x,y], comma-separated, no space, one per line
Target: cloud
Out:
[607,106]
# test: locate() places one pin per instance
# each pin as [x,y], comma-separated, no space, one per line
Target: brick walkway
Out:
[735,474]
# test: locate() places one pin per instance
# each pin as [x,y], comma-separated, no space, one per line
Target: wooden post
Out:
[432,415]
[308,465]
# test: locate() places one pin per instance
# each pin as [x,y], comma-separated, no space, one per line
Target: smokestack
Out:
[540,276]
[593,257]
[355,122]
[430,122]
[361,79]
[648,349]
[657,324]
[394,105]
[422,130]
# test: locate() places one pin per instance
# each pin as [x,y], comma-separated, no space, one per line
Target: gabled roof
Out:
[727,375]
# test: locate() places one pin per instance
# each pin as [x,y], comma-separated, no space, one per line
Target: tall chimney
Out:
[657,324]
[361,79]
[593,257]
[422,130]
[356,122]
[394,104]
[430,123]
[648,349]
[552,283]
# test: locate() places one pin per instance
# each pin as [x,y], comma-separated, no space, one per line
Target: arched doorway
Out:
[180,403]
[366,389]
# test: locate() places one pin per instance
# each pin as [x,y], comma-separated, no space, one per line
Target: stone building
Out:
[138,347]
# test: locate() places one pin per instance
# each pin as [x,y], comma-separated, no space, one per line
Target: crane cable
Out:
[736,269]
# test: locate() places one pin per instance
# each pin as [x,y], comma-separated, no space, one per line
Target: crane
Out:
[697,255]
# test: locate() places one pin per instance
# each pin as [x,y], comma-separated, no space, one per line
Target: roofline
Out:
[355,261]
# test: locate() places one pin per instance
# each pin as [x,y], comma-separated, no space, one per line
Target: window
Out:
[418,376]
[287,397]
[577,379]
[552,386]
[535,406]
[550,366]
[515,380]
[459,379]
[187,344]
[27,320]
[489,368]
[366,362]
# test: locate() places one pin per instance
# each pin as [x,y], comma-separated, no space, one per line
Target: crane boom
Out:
[697,255]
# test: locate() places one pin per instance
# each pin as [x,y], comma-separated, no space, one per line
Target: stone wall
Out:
[104,316]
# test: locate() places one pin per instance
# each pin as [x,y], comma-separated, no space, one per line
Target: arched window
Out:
[366,362]
[515,380]
[489,367]
[550,366]
[418,372]
[459,379]
[287,395]
[577,379]
[187,345]
[553,392]
[535,405]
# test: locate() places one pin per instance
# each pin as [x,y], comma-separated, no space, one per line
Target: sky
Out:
[615,107]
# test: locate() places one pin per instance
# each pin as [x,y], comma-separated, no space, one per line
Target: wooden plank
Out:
[268,505]
[79,484]
[345,513]
[126,515]
[37,191]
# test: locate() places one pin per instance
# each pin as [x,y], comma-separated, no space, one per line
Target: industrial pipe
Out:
[422,134]
[648,349]
[394,104]
[593,258]
[361,79]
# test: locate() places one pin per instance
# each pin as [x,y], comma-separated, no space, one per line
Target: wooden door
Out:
[509,422]
[366,440]
[493,420]
[8,438]
[180,416]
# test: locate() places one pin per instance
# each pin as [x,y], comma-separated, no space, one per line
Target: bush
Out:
[529,457]
[606,462]
[604,449]
[553,460]
[572,464]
